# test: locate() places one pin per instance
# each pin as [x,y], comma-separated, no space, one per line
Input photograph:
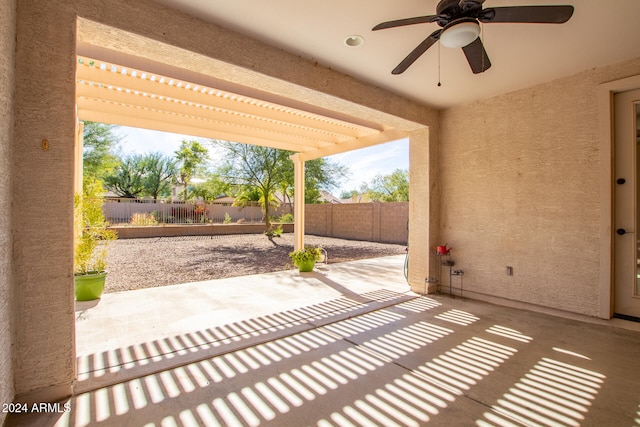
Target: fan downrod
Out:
[448,10]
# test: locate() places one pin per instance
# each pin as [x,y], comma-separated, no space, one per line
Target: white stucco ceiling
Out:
[599,33]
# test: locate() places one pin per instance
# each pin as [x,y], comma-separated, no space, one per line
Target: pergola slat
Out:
[213,114]
[277,138]
[183,129]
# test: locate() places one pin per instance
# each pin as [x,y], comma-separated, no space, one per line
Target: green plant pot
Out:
[89,286]
[304,266]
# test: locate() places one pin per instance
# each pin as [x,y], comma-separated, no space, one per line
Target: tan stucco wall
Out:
[7,48]
[43,180]
[43,199]
[521,187]
[424,215]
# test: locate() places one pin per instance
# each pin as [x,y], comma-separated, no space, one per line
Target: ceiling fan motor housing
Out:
[448,10]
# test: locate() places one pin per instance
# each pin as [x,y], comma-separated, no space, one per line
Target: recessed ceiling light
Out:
[354,41]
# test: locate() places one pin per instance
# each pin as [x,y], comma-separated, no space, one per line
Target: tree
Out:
[191,158]
[356,196]
[270,170]
[99,152]
[213,187]
[349,194]
[319,174]
[127,179]
[389,188]
[255,166]
[249,196]
[158,173]
[382,188]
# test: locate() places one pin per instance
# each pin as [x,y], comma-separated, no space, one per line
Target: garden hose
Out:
[406,266]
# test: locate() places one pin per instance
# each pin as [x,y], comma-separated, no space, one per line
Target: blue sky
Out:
[363,164]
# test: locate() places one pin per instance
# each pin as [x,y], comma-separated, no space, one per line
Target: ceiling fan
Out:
[460,22]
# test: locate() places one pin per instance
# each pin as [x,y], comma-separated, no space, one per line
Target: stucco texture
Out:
[43,200]
[42,186]
[521,181]
[7,48]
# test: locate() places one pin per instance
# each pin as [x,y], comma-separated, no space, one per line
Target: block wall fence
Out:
[374,222]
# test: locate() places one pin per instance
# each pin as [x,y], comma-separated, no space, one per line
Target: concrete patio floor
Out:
[346,345]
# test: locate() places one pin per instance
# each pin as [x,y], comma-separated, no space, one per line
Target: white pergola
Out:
[118,94]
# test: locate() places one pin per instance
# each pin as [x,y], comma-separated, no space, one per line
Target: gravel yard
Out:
[161,261]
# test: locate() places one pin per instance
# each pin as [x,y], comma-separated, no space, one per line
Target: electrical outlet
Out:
[509,271]
[430,280]
[457,272]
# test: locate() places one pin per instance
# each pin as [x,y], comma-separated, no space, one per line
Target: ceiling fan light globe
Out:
[460,34]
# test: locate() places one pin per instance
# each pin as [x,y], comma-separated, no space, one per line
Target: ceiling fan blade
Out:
[528,14]
[477,56]
[406,21]
[417,52]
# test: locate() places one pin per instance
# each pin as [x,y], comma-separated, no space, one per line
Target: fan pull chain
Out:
[482,39]
[439,84]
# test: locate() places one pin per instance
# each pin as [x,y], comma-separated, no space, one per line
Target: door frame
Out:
[605,93]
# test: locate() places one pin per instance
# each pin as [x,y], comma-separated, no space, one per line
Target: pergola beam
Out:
[128,113]
[185,127]
[355,144]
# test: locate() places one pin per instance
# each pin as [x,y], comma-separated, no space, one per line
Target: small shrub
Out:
[90,223]
[274,232]
[227,218]
[143,219]
[157,216]
[286,218]
[200,213]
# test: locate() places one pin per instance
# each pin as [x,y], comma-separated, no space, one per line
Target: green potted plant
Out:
[90,249]
[305,259]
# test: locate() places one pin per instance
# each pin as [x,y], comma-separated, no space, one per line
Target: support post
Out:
[79,143]
[298,202]
[78,177]
[424,217]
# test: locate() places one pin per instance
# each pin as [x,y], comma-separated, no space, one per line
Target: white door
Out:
[626,198]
